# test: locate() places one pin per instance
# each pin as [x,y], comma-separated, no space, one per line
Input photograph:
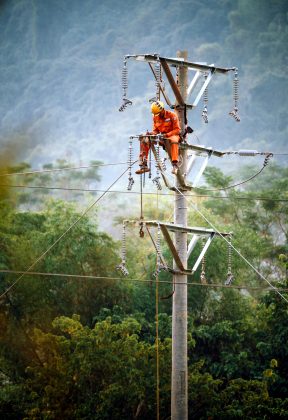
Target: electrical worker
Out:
[167,123]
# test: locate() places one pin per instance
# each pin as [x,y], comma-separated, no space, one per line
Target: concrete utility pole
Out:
[180,248]
[179,380]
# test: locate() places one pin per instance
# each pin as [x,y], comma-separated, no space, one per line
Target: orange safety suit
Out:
[168,125]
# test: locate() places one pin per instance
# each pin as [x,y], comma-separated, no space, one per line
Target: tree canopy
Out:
[78,341]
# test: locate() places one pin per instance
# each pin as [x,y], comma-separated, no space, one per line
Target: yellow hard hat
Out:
[157,107]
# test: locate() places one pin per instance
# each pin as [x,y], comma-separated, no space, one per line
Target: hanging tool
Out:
[141,231]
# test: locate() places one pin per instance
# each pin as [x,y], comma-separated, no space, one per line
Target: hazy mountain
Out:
[61,61]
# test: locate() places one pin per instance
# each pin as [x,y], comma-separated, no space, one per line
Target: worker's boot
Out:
[174,168]
[143,168]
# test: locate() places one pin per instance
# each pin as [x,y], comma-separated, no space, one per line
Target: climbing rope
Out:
[141,231]
[157,346]
[158,262]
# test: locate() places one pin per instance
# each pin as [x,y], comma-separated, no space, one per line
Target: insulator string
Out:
[203,266]
[130,162]
[156,180]
[125,101]
[230,276]
[122,266]
[205,101]
[234,112]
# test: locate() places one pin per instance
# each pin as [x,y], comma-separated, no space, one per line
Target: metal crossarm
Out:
[179,228]
[199,68]
[201,170]
[204,86]
[172,82]
[153,58]
[162,88]
[193,82]
[192,244]
[201,150]
[166,228]
[172,247]
[203,252]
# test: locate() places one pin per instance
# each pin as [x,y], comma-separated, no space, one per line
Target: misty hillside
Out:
[61,61]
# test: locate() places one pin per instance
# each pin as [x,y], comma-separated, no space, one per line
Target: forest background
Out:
[84,348]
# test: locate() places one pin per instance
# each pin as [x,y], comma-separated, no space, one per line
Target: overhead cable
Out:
[240,153]
[62,169]
[90,277]
[265,163]
[61,236]
[92,190]
[232,246]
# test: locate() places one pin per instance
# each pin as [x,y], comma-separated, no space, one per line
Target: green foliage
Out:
[236,398]
[262,222]
[104,366]
[81,252]
[99,373]
[272,343]
[101,363]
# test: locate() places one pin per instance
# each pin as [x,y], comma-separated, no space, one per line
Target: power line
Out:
[90,277]
[62,169]
[245,180]
[104,193]
[229,243]
[61,236]
[245,153]
[146,193]
[238,252]
[88,166]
